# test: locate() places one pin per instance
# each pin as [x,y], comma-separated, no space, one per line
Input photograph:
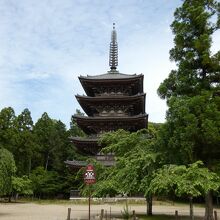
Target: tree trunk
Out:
[191,208]
[48,156]
[16,197]
[149,205]
[29,167]
[208,206]
[9,197]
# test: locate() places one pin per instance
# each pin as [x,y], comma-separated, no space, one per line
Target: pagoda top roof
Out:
[92,84]
[111,75]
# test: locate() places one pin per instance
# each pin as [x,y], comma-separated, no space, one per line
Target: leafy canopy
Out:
[7,171]
[193,180]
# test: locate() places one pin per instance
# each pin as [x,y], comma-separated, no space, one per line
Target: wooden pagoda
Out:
[113,101]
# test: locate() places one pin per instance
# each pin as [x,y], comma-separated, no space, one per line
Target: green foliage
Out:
[7,128]
[74,129]
[135,159]
[192,130]
[44,144]
[193,180]
[25,143]
[125,213]
[46,135]
[194,23]
[22,185]
[45,182]
[52,143]
[106,185]
[101,187]
[7,171]
[121,142]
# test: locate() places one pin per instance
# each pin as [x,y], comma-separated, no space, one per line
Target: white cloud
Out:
[46,45]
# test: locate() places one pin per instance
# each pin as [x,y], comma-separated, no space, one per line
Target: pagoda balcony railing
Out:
[112,94]
[104,157]
[111,114]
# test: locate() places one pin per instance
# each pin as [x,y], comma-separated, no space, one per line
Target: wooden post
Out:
[215,215]
[102,214]
[134,215]
[110,213]
[89,201]
[106,214]
[68,214]
[176,215]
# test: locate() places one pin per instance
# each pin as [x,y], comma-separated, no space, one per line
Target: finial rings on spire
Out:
[113,54]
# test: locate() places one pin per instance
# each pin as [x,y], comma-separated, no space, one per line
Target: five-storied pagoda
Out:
[113,101]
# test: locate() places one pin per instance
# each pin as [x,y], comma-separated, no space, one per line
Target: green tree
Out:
[74,129]
[45,183]
[135,159]
[191,90]
[7,171]
[44,144]
[25,143]
[45,135]
[53,144]
[7,128]
[48,140]
[191,181]
[63,147]
[53,149]
[198,69]
[192,130]
[21,186]
[191,133]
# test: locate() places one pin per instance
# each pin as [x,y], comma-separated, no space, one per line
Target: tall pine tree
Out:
[192,130]
[198,69]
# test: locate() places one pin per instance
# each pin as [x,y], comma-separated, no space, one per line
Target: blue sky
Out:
[45,45]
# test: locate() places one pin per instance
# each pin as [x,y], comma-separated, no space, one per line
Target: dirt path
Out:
[31,211]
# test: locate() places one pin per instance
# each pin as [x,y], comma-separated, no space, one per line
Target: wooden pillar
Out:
[69,213]
[176,215]
[89,201]
[133,215]
[215,215]
[106,214]
[102,214]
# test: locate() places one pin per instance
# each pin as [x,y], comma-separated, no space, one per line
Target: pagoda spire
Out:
[113,53]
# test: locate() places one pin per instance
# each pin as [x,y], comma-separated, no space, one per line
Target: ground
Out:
[34,211]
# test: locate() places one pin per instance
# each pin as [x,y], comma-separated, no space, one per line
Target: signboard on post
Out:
[89,178]
[89,175]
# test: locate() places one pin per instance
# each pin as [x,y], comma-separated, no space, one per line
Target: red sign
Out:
[89,175]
